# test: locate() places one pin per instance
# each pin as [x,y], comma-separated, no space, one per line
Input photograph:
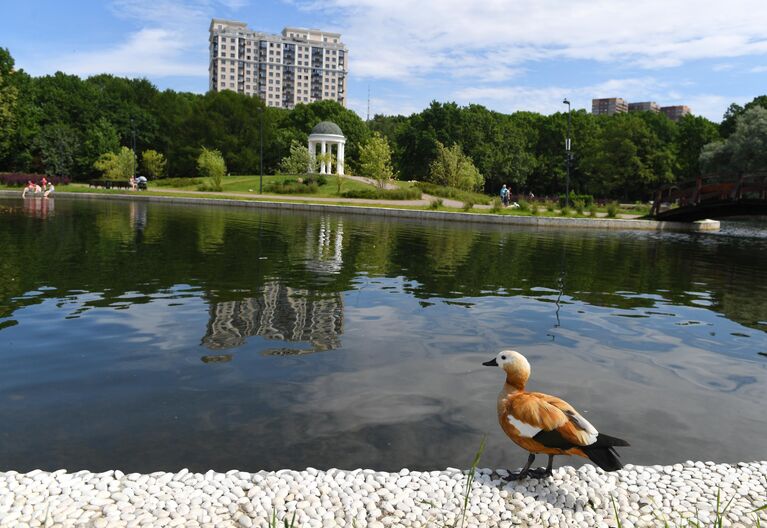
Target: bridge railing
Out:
[712,188]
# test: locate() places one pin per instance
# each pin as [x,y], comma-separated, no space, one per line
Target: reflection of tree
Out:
[281,313]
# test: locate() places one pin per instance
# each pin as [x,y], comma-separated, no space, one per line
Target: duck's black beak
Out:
[491,363]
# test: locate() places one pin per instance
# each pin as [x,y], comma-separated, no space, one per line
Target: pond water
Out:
[153,337]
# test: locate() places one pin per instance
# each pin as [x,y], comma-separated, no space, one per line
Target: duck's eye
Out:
[503,357]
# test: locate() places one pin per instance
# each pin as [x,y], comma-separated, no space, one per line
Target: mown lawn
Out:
[250,184]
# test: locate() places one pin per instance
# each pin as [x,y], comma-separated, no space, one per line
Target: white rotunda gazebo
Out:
[326,134]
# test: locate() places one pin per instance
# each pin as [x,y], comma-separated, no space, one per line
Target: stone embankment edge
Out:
[483,218]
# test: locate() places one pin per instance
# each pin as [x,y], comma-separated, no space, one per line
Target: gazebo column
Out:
[312,156]
[340,159]
[323,150]
[330,158]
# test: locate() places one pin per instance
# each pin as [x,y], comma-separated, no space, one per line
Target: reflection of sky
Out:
[119,381]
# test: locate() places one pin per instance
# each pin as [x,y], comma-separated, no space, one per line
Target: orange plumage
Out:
[544,424]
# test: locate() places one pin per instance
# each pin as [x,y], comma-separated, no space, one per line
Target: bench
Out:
[110,184]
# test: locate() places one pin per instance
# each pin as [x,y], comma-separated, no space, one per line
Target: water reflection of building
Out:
[280,313]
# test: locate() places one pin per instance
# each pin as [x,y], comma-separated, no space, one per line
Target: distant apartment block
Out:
[297,66]
[608,106]
[616,105]
[646,106]
[675,113]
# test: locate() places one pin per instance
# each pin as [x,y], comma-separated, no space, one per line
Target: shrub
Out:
[579,206]
[612,209]
[19,179]
[211,165]
[291,187]
[550,206]
[496,206]
[587,199]
[524,205]
[373,193]
[178,182]
[468,205]
[593,210]
[435,204]
[534,210]
[566,211]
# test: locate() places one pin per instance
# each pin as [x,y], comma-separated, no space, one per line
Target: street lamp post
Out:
[567,154]
[261,158]
[133,133]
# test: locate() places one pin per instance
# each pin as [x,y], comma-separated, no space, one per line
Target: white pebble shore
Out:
[365,498]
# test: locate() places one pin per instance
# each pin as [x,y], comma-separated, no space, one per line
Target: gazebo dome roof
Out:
[327,127]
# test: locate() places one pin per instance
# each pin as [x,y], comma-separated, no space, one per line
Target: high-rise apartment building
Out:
[297,66]
[675,113]
[616,105]
[645,106]
[608,106]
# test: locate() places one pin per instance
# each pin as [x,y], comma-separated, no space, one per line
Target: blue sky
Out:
[505,54]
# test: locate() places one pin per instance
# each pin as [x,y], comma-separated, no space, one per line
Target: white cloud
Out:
[398,38]
[153,52]
[169,40]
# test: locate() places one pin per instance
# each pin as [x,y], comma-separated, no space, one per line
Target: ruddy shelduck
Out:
[543,424]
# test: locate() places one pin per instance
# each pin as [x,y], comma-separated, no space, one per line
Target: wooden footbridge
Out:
[711,197]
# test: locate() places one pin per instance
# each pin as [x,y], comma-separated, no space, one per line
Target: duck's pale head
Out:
[514,364]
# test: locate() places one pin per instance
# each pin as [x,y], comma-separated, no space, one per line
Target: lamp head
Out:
[565,101]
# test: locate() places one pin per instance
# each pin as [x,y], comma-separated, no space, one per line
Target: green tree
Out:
[694,133]
[8,102]
[153,164]
[211,165]
[98,138]
[58,145]
[734,111]
[453,168]
[744,152]
[117,166]
[627,158]
[375,160]
[299,161]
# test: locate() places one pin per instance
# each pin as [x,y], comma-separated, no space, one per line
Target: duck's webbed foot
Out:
[543,472]
[539,473]
[523,473]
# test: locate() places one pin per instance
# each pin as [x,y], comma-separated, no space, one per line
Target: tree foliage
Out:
[452,168]
[62,124]
[299,161]
[120,165]
[744,151]
[375,160]
[153,164]
[211,165]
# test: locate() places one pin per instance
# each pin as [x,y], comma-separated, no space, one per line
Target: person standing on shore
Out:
[504,195]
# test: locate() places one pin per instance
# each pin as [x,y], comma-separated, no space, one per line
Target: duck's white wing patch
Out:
[584,425]
[524,429]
